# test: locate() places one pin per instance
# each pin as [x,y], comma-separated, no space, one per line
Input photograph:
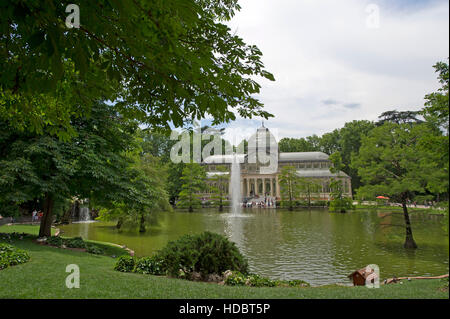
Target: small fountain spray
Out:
[235,186]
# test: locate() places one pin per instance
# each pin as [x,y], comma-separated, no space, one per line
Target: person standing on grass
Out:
[34,215]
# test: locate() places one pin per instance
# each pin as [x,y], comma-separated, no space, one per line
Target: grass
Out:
[108,248]
[45,274]
[29,229]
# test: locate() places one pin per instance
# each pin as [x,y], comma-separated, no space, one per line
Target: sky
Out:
[338,61]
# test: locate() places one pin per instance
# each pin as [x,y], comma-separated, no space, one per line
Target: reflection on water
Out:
[312,245]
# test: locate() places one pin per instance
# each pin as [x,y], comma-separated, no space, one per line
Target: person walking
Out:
[34,215]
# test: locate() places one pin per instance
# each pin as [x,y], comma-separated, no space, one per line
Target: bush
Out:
[55,241]
[236,279]
[15,236]
[206,253]
[254,280]
[341,205]
[125,264]
[76,242]
[320,203]
[150,265]
[92,249]
[10,256]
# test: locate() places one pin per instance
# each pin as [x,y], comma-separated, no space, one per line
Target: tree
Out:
[308,186]
[92,165]
[289,187]
[330,142]
[338,201]
[350,142]
[220,183]
[436,106]
[392,162]
[399,117]
[152,181]
[160,62]
[310,144]
[193,178]
[436,142]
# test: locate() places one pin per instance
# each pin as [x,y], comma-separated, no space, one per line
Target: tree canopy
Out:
[193,178]
[96,164]
[158,61]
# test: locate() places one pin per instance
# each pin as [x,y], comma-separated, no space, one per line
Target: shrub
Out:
[206,253]
[254,280]
[55,241]
[320,203]
[15,236]
[76,242]
[92,249]
[150,265]
[341,205]
[125,264]
[10,256]
[236,279]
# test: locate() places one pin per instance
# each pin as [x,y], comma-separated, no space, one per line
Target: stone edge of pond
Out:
[130,252]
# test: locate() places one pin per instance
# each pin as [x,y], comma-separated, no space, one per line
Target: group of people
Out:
[36,216]
[267,202]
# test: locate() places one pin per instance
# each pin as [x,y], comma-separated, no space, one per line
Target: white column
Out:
[278,187]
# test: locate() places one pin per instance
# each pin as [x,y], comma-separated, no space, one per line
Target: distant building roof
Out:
[302,156]
[224,159]
[319,173]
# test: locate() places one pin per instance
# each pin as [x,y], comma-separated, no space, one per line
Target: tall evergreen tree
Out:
[194,177]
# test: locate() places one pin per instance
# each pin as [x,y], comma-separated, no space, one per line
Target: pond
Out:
[313,245]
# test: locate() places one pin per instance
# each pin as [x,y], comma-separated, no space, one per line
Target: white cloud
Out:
[330,68]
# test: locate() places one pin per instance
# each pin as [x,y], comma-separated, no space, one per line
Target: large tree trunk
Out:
[47,219]
[409,240]
[142,224]
[65,219]
[119,223]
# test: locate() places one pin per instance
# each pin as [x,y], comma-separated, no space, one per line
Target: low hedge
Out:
[10,256]
[74,242]
[254,280]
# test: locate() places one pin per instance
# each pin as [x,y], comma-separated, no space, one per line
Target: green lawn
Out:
[44,277]
[29,229]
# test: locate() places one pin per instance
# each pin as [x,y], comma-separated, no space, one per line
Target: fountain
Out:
[80,214]
[84,214]
[235,182]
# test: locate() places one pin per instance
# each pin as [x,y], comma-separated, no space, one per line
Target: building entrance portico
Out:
[259,185]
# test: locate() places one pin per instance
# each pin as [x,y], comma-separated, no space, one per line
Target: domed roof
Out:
[262,138]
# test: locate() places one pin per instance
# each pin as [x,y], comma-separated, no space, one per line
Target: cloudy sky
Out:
[338,61]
